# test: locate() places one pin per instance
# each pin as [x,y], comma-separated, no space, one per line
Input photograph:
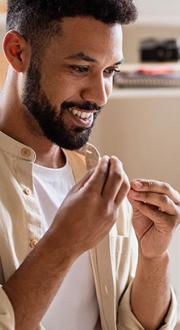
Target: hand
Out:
[90,209]
[156,214]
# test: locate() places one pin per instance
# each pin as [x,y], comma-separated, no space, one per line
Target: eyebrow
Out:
[84,57]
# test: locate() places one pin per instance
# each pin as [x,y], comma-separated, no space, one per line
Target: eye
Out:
[111,71]
[79,68]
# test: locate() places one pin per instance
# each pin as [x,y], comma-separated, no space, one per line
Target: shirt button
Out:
[25,152]
[27,191]
[33,242]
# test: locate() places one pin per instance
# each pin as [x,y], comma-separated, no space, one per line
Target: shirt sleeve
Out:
[128,321]
[7,319]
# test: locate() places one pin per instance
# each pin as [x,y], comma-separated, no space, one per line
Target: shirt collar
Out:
[22,151]
[15,148]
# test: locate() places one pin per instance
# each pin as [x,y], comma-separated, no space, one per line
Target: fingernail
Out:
[105,158]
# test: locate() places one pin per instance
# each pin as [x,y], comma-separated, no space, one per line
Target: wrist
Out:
[60,246]
[156,265]
[155,259]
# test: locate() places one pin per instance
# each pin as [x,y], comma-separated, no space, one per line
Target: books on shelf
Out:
[146,76]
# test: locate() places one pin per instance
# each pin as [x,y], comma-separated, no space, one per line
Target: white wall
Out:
[159,7]
[2,29]
[142,127]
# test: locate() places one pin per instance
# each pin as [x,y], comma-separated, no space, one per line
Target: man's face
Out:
[73,81]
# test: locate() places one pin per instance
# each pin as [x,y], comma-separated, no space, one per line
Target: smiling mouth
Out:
[81,114]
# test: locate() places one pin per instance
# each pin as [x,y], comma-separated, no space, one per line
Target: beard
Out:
[51,123]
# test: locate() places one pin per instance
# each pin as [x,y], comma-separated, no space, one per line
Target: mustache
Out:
[83,106]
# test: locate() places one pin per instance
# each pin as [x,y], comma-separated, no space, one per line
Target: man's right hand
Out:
[85,217]
[90,209]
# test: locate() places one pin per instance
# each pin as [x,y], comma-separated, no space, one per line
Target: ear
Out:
[17,51]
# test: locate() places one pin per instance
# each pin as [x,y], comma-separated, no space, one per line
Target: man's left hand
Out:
[156,214]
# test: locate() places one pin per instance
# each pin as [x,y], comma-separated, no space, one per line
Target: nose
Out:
[97,91]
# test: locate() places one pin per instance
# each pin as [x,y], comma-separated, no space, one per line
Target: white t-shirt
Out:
[75,306]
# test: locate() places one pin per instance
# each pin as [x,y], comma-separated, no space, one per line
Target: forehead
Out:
[90,36]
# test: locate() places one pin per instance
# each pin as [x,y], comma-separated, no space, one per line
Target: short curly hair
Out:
[39,19]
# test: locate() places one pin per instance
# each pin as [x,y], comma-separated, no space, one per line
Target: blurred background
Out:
[141,123]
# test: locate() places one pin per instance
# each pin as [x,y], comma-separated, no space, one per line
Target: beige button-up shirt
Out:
[113,261]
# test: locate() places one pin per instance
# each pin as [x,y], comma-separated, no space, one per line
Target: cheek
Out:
[54,90]
[59,89]
[109,87]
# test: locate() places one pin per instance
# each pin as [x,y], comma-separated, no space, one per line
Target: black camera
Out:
[153,50]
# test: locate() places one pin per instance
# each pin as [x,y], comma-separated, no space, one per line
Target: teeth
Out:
[84,115]
[80,114]
[75,112]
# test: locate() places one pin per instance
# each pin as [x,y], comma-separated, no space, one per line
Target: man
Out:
[74,266]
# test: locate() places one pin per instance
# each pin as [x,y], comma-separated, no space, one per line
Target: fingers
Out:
[157,187]
[98,179]
[161,201]
[117,184]
[82,182]
[163,220]
[95,178]
[107,180]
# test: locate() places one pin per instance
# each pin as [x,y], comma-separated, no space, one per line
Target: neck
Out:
[18,124]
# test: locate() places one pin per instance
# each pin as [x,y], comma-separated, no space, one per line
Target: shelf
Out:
[145,92]
[166,92]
